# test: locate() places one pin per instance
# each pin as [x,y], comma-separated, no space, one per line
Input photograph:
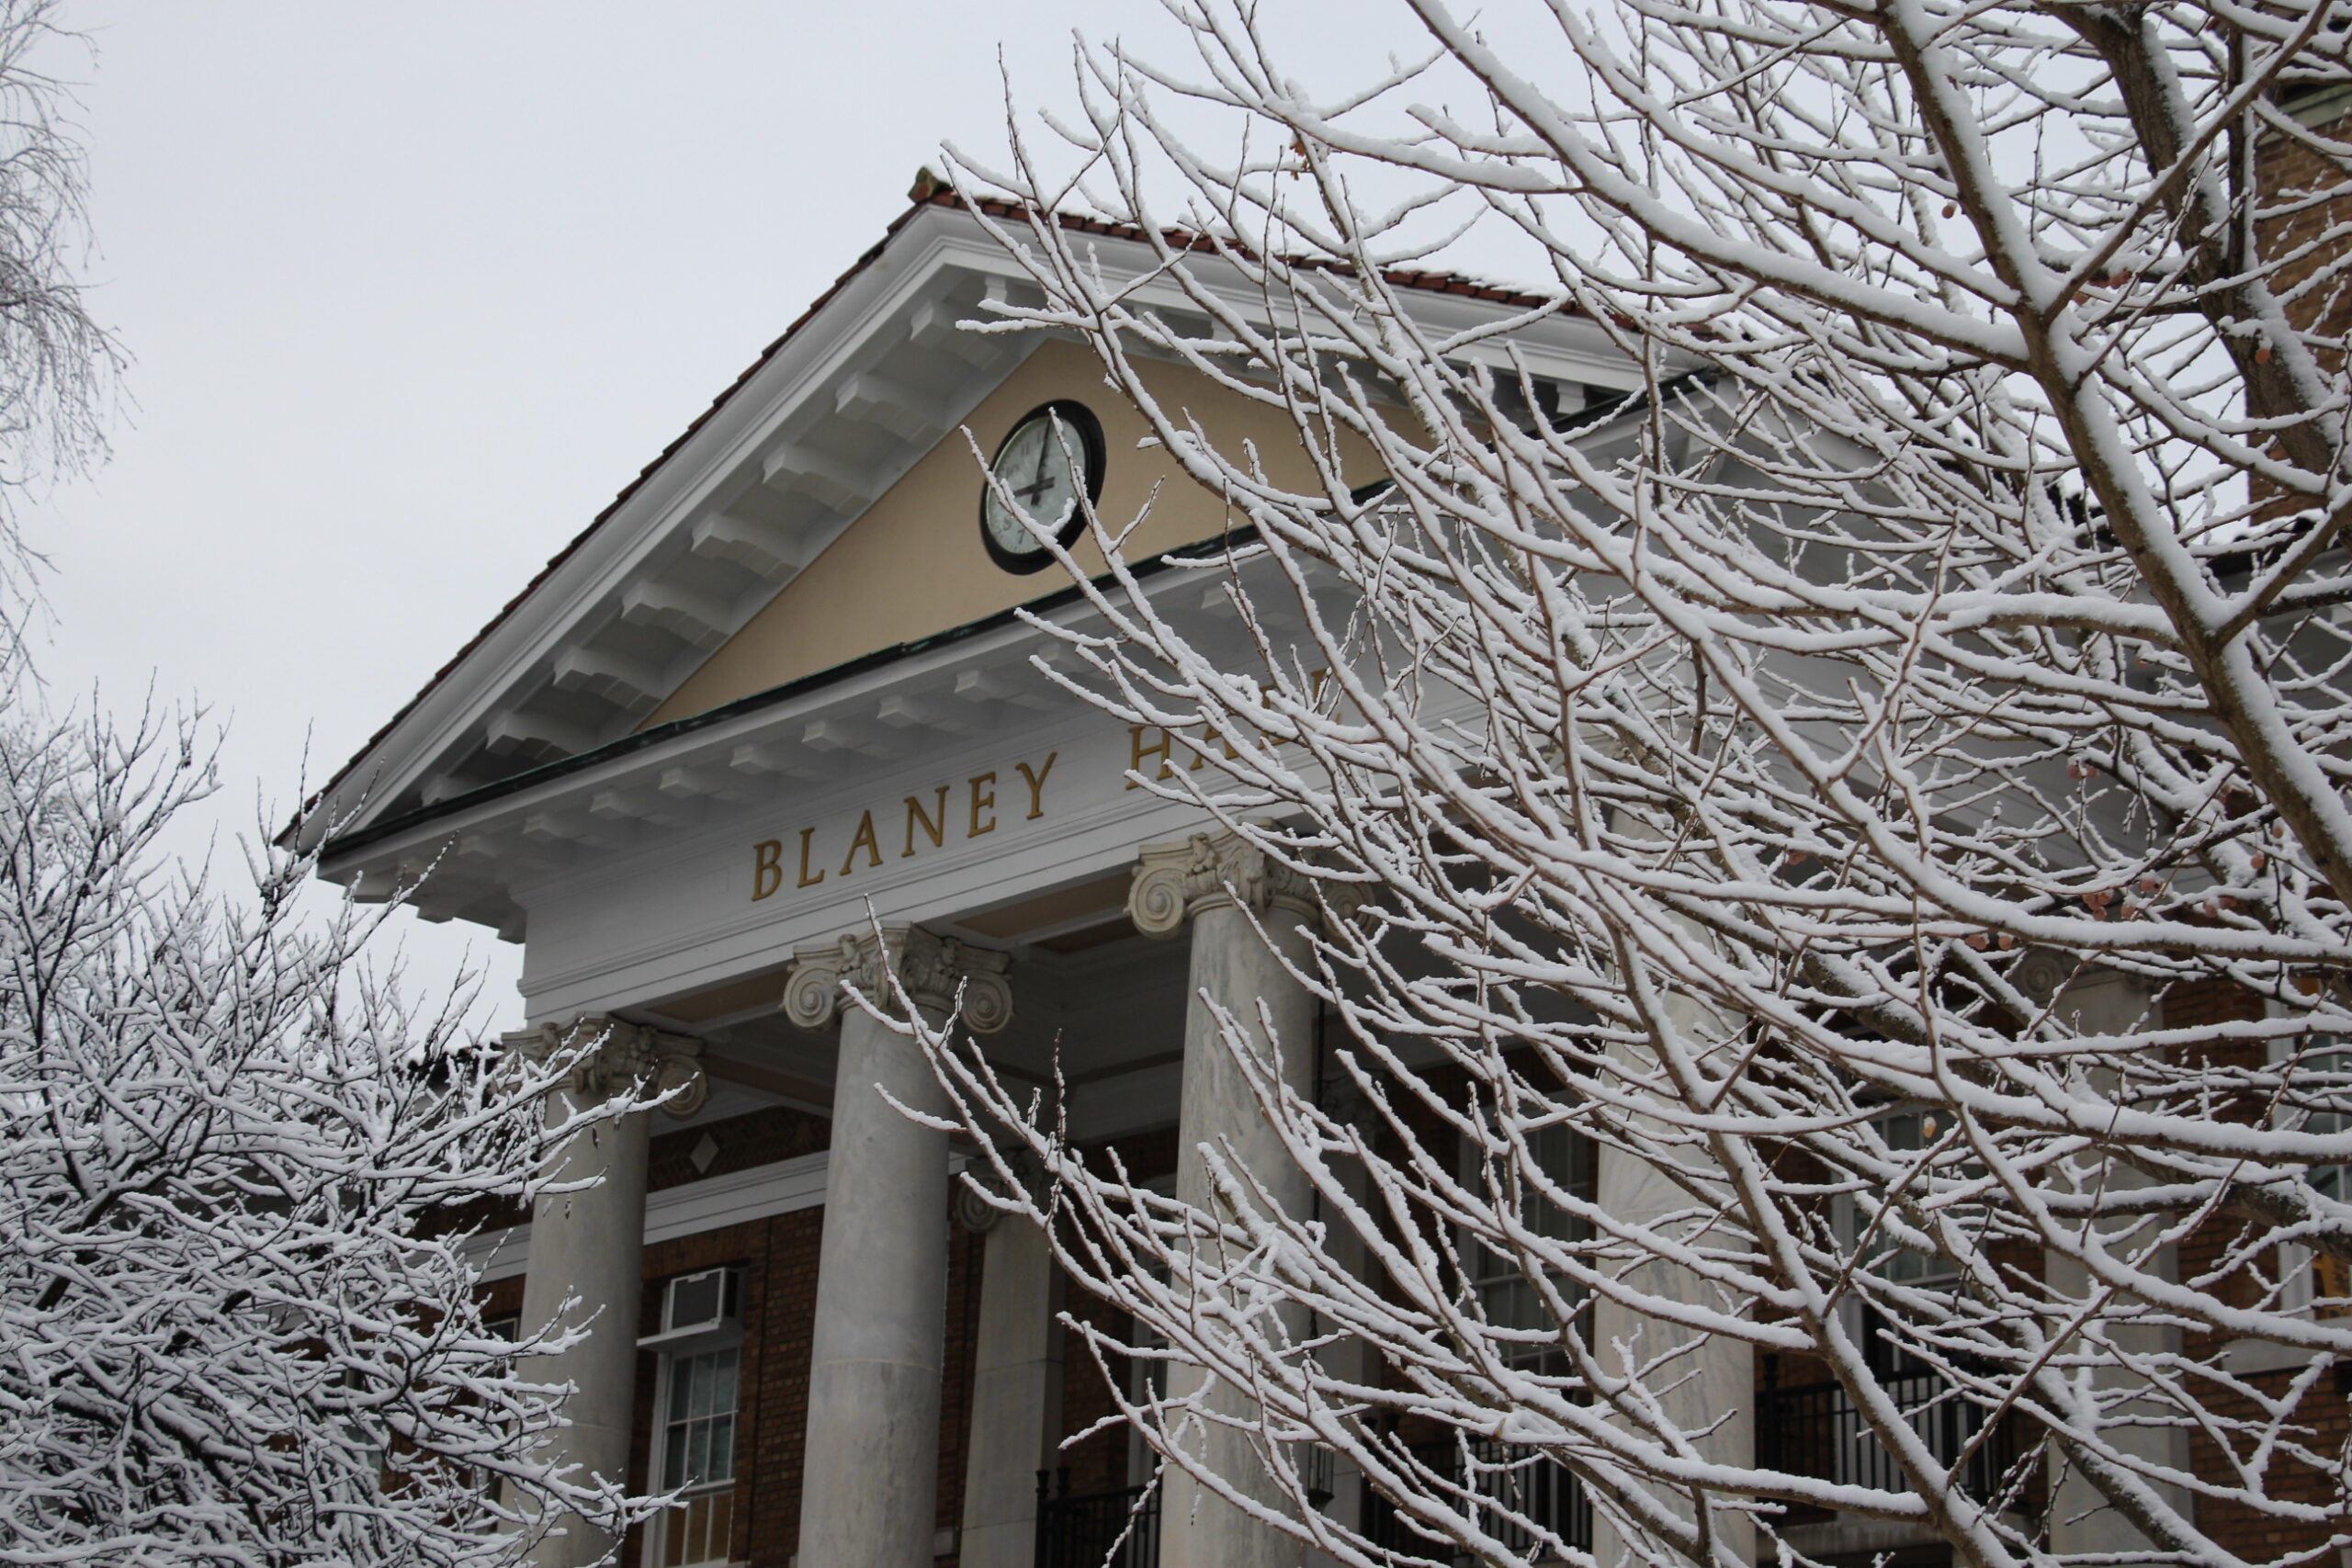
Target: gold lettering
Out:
[1138,751]
[864,835]
[982,800]
[806,880]
[1209,737]
[767,867]
[1037,785]
[935,826]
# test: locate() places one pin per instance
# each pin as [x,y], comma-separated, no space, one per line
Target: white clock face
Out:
[1041,465]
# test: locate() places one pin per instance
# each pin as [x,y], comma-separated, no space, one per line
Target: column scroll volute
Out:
[940,974]
[1174,882]
[625,1055]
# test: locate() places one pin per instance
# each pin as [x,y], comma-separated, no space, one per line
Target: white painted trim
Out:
[1086,841]
[762,1192]
[2245,1358]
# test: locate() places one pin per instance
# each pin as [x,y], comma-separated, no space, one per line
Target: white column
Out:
[1016,1390]
[1712,1382]
[587,1246]
[2081,1518]
[870,1484]
[1218,883]
[1350,1360]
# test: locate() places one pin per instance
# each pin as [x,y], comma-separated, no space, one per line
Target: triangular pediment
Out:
[913,564]
[822,514]
[868,384]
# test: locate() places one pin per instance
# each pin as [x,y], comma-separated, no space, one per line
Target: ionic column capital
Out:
[934,970]
[1175,881]
[627,1055]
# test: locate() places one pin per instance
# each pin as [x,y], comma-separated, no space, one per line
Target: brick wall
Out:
[2325,1413]
[2321,1412]
[2314,294]
[762,1137]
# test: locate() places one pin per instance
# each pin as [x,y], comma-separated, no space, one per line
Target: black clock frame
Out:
[1079,420]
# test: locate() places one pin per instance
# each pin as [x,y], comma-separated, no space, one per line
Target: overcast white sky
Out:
[413,290]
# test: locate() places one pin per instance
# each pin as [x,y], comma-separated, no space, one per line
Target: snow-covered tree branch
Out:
[57,364]
[239,1322]
[1883,783]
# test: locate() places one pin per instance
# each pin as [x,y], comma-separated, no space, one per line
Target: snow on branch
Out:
[239,1322]
[1869,771]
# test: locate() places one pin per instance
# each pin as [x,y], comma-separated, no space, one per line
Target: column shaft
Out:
[869,1482]
[2081,1518]
[1017,1396]
[1716,1386]
[869,1487]
[1715,1378]
[1233,965]
[590,1244]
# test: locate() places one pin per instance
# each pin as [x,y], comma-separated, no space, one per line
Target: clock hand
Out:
[1040,484]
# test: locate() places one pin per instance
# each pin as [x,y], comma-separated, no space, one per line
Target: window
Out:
[1903,1133]
[698,1457]
[2321,1064]
[1507,1297]
[2331,1277]
[1912,1132]
[509,1327]
[697,1400]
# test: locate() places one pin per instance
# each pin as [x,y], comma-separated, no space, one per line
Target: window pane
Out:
[722,1449]
[698,1452]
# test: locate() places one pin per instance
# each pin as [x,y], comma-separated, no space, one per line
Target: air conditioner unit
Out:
[695,1305]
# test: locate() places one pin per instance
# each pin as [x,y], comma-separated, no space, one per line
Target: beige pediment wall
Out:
[913,564]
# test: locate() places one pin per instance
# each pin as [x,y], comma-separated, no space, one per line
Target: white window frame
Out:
[2297,1263]
[675,1350]
[506,1326]
[1147,1378]
[1494,1269]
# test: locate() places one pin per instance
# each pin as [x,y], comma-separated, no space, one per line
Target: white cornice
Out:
[649,532]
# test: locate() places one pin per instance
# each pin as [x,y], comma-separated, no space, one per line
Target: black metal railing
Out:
[1815,1431]
[1096,1529]
[1523,1496]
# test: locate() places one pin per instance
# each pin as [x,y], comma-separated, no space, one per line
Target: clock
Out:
[1051,453]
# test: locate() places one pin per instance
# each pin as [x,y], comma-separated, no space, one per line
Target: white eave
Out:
[873,378]
[831,729]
